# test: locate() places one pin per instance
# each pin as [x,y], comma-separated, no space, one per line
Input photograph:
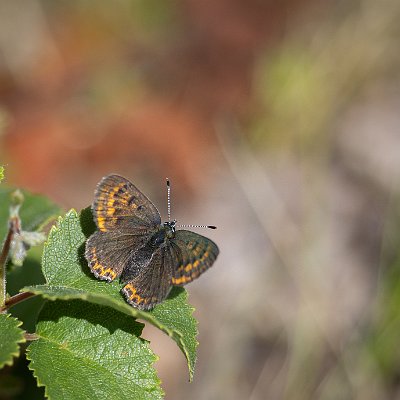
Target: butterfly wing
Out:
[153,284]
[126,219]
[119,204]
[108,253]
[193,254]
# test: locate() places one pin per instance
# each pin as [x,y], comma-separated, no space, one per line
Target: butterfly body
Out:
[132,244]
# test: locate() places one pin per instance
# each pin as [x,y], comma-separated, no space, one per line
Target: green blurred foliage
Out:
[36,210]
[17,382]
[303,85]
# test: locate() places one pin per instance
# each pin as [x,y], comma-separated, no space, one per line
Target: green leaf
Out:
[35,211]
[10,337]
[1,173]
[86,351]
[68,277]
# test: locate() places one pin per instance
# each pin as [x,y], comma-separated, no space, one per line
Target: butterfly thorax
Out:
[165,232]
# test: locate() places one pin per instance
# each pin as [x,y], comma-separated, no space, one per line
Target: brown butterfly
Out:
[132,244]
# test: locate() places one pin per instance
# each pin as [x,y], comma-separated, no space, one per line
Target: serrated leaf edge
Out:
[174,334]
[196,323]
[53,230]
[39,383]
[21,340]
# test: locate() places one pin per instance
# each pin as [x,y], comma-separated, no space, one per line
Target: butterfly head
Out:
[170,227]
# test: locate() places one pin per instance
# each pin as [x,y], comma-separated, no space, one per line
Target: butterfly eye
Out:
[171,225]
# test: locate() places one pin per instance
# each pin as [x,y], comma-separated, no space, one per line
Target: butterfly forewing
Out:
[118,204]
[126,219]
[193,254]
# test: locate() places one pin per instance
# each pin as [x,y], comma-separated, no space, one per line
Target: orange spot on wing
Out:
[98,269]
[111,211]
[107,272]
[179,281]
[101,224]
[188,267]
[133,296]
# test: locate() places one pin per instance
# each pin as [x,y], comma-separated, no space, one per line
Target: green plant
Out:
[81,338]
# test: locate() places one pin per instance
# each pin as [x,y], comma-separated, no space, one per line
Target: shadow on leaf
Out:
[88,227]
[109,318]
[86,220]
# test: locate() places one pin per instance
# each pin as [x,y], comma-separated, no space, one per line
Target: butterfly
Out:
[132,244]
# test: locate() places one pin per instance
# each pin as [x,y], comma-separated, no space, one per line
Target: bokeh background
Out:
[277,121]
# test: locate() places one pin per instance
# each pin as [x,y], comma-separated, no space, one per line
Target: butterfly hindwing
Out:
[193,254]
[119,204]
[153,284]
[108,253]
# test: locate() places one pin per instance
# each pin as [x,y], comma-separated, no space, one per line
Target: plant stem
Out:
[17,298]
[14,226]
[3,261]
[31,336]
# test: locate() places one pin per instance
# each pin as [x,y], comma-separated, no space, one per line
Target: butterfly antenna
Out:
[197,226]
[169,199]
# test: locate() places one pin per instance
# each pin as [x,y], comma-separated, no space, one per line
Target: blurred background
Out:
[277,121]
